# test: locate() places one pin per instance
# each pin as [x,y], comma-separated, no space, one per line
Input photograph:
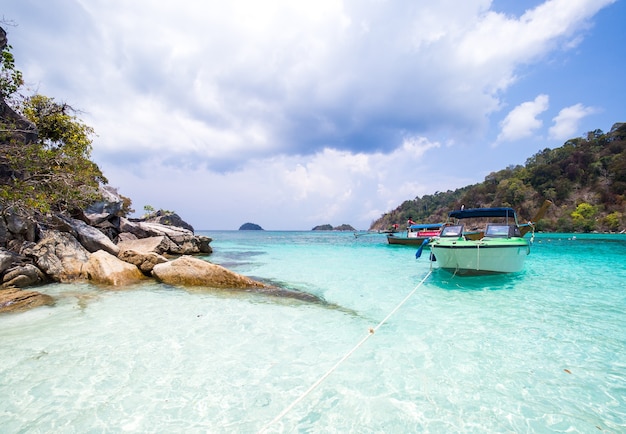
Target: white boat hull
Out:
[478,257]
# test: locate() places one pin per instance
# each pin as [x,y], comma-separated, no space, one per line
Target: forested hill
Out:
[585,179]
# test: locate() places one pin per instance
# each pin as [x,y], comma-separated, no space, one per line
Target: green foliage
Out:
[53,173]
[613,220]
[10,78]
[585,178]
[584,217]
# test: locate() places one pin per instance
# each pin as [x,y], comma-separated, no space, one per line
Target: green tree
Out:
[53,173]
[583,217]
[613,220]
[10,78]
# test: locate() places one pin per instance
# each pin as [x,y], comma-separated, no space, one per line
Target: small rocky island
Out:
[327,227]
[250,227]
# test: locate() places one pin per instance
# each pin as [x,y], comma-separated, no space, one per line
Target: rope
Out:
[343,359]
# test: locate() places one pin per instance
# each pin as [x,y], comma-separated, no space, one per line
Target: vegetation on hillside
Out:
[585,179]
[45,151]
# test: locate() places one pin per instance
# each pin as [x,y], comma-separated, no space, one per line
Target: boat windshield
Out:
[452,231]
[502,231]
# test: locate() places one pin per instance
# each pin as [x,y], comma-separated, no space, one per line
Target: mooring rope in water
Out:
[344,358]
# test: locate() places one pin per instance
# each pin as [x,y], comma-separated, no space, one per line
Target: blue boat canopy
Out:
[482,212]
[426,226]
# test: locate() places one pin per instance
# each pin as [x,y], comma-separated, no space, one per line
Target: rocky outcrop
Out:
[103,249]
[189,271]
[88,236]
[183,241]
[168,219]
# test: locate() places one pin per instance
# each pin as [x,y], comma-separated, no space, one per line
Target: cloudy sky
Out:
[291,114]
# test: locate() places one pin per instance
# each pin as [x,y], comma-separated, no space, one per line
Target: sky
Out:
[292,114]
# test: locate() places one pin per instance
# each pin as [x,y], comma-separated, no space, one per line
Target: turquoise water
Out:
[540,351]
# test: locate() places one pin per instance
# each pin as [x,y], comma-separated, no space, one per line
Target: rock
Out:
[6,259]
[20,228]
[112,202]
[59,255]
[159,244]
[184,242]
[103,221]
[125,236]
[102,267]
[250,227]
[23,276]
[191,271]
[169,219]
[90,238]
[145,261]
[4,232]
[16,300]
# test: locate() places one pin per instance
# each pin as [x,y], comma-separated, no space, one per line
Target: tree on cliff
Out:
[54,172]
[51,172]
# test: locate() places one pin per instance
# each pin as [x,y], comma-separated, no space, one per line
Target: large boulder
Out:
[16,300]
[190,271]
[102,267]
[169,219]
[91,238]
[59,255]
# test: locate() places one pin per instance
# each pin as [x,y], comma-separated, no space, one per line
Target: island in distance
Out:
[250,227]
[343,227]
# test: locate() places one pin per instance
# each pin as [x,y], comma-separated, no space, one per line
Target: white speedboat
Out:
[501,248]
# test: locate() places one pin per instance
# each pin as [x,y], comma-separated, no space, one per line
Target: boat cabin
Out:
[423,230]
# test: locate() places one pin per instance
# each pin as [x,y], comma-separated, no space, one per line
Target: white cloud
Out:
[227,78]
[522,121]
[567,121]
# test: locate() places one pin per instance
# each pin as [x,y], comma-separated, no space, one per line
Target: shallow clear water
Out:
[539,351]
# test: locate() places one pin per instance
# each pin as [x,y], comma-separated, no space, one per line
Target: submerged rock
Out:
[189,271]
[16,300]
